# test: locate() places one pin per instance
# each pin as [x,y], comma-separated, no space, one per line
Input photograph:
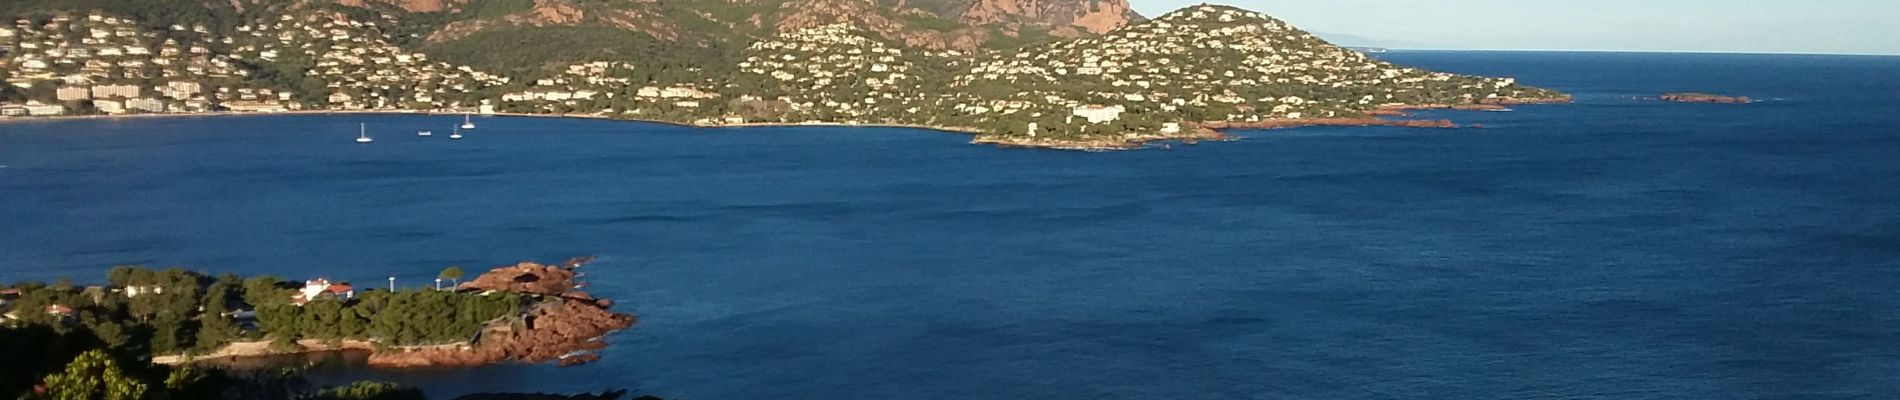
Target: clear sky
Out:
[1746,26]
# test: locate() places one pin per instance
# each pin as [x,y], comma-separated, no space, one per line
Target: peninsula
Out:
[526,312]
[1073,74]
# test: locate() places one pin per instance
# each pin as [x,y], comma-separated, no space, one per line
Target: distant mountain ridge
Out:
[1021,72]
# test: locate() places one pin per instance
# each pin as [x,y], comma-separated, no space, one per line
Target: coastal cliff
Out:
[529,312]
[526,312]
[561,323]
[565,326]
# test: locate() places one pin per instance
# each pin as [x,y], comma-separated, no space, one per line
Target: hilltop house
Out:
[317,288]
[56,310]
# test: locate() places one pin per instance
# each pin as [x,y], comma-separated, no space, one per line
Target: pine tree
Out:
[452,273]
[94,375]
[216,330]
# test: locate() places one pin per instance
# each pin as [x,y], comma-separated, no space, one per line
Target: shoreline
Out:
[557,323]
[318,113]
[1192,132]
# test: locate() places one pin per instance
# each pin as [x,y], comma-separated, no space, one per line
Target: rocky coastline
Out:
[1705,98]
[1191,133]
[1210,130]
[566,326]
[565,331]
[1126,142]
[1309,122]
[561,325]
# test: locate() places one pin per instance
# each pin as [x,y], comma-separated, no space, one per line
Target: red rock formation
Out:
[530,278]
[1095,16]
[556,12]
[1103,16]
[410,5]
[566,331]
[565,326]
[1396,110]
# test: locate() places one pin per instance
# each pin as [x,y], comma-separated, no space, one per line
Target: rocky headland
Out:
[554,322]
[565,325]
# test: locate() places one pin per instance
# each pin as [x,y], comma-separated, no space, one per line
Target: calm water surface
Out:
[1615,248]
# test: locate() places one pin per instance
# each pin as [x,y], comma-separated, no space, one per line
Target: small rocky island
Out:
[1705,98]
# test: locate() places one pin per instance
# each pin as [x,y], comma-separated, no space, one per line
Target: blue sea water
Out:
[1616,248]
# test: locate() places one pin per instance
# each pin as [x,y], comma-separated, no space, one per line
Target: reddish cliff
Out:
[1095,16]
[565,331]
[565,325]
[531,278]
[410,5]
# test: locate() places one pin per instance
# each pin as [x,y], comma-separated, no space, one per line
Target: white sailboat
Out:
[466,123]
[362,134]
[457,134]
[425,133]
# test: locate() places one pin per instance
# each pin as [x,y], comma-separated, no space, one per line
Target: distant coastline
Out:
[452,113]
[1190,133]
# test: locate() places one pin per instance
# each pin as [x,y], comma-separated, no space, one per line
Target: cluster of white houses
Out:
[111,65]
[311,290]
[101,64]
[1198,57]
[360,68]
[824,64]
[1215,62]
[587,81]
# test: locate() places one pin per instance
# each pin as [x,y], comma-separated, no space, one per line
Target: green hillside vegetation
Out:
[713,62]
[156,14]
[93,342]
[181,311]
[505,49]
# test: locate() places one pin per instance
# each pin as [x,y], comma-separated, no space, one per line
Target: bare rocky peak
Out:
[410,5]
[1094,16]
